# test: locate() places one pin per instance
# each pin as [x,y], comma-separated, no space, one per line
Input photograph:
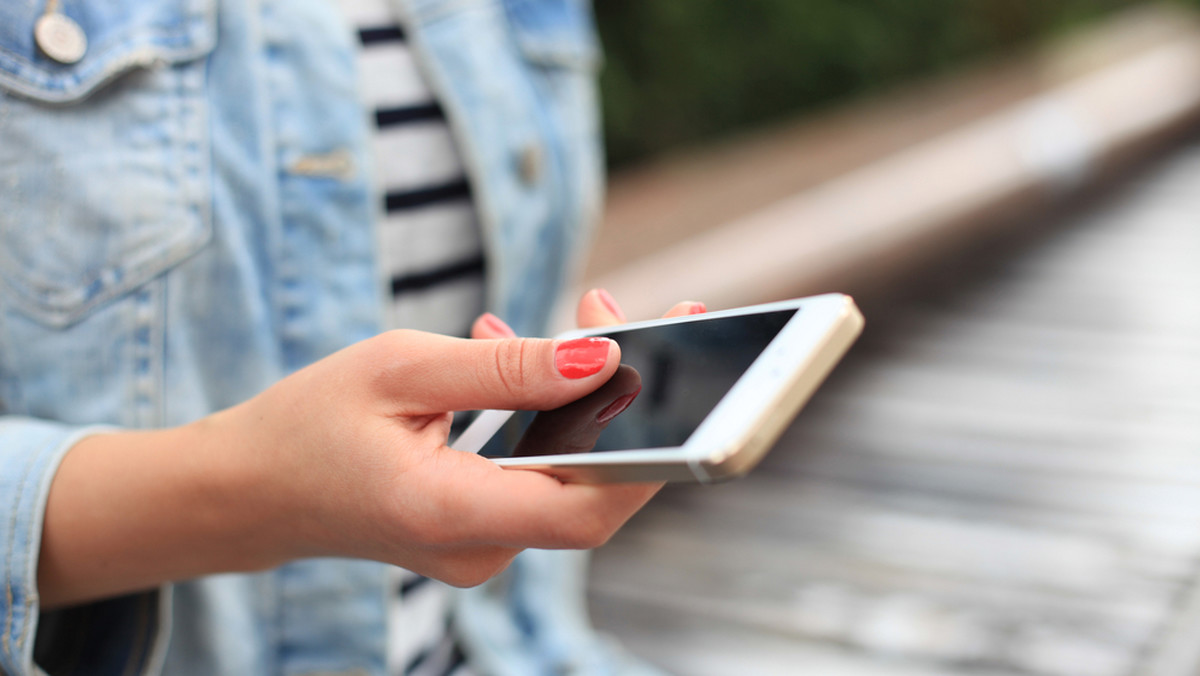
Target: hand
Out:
[360,439]
[347,457]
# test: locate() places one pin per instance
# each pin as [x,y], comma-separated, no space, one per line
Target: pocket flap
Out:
[121,35]
[555,32]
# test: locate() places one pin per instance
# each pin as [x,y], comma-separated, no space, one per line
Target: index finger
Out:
[424,373]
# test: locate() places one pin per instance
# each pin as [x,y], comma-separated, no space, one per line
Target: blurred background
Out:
[685,73]
[1004,475]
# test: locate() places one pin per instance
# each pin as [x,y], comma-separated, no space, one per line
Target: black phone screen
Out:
[669,379]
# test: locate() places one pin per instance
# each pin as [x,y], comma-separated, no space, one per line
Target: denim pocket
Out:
[104,163]
[555,33]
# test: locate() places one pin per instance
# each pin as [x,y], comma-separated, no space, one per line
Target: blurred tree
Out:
[680,72]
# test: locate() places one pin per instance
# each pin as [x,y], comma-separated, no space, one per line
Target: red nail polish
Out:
[697,309]
[581,357]
[611,304]
[617,407]
[496,324]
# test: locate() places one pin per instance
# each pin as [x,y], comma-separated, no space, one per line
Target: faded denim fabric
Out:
[166,250]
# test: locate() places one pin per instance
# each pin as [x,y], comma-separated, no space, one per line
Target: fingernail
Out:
[697,309]
[611,304]
[581,357]
[496,324]
[617,407]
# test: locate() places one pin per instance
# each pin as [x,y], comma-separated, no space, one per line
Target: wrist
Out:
[244,507]
[128,511]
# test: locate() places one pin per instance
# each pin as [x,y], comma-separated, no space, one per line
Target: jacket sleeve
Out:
[111,636]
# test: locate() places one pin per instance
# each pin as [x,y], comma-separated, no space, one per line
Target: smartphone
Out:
[697,398]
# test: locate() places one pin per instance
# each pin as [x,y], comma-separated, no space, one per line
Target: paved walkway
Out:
[1003,479]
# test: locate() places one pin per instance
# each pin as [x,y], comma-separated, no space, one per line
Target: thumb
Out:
[435,374]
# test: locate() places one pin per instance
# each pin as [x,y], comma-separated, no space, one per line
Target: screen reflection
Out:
[574,428]
[670,378]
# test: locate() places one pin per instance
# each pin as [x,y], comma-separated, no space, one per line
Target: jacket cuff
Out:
[30,453]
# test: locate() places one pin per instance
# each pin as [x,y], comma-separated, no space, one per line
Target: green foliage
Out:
[680,71]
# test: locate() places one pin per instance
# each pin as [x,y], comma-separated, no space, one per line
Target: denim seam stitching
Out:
[25,80]
[140,348]
[9,563]
[35,525]
[158,332]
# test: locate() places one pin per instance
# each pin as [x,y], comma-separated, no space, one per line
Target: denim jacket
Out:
[168,248]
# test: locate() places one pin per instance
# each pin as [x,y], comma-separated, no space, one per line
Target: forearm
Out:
[130,510]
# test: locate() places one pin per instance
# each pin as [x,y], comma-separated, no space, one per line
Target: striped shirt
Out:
[432,255]
[431,248]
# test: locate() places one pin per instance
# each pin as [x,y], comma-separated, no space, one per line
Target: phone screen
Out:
[669,379]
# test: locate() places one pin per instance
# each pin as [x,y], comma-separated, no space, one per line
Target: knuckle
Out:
[511,357]
[391,343]
[385,356]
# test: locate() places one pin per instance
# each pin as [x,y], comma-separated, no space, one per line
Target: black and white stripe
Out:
[431,250]
[421,637]
[432,255]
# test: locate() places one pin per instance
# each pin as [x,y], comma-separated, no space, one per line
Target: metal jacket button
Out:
[60,38]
